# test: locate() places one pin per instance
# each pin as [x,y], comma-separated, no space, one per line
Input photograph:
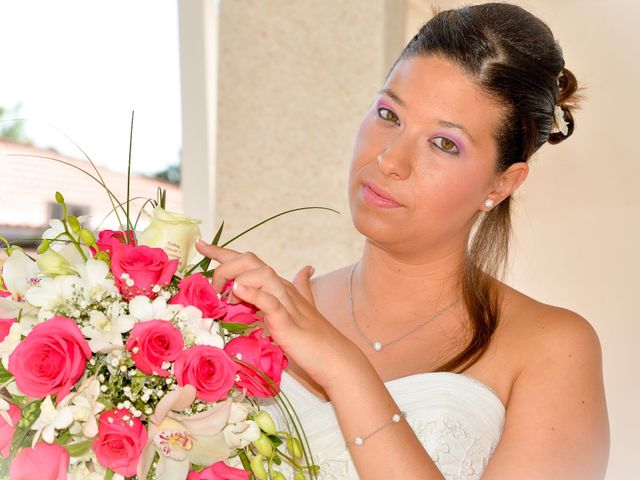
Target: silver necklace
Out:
[378,344]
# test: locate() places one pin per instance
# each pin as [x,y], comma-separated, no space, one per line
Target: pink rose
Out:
[121,439]
[208,369]
[195,290]
[7,431]
[44,461]
[219,471]
[51,359]
[264,356]
[108,238]
[153,343]
[5,326]
[138,269]
[240,313]
[4,294]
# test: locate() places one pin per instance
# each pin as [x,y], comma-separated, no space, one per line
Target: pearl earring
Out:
[488,203]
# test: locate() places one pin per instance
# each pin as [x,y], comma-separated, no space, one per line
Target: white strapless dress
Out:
[458,419]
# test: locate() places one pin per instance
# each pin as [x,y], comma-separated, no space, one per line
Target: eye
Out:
[388,115]
[445,144]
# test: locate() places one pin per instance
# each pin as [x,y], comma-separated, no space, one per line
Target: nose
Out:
[394,161]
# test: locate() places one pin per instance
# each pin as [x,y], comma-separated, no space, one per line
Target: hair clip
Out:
[561,123]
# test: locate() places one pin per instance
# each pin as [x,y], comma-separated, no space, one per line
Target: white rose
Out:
[175,233]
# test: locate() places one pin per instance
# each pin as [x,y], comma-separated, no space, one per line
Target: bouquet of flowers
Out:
[119,360]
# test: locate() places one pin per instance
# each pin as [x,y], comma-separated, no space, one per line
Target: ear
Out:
[505,184]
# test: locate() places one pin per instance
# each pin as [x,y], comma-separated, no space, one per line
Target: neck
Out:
[413,286]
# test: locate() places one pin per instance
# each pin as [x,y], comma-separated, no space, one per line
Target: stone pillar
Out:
[295,80]
[198,77]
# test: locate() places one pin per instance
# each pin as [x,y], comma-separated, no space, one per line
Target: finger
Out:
[275,315]
[302,282]
[234,266]
[214,252]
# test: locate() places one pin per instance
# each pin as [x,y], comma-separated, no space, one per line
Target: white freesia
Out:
[105,332]
[198,330]
[52,263]
[175,233]
[182,440]
[82,471]
[241,434]
[94,276]
[85,407]
[9,343]
[50,420]
[143,309]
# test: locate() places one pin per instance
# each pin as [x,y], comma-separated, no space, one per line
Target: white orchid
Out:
[53,292]
[55,231]
[19,273]
[50,420]
[198,330]
[181,440]
[105,332]
[10,342]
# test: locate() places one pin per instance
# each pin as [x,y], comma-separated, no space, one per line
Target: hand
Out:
[290,313]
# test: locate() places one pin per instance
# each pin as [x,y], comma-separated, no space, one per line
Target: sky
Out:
[84,65]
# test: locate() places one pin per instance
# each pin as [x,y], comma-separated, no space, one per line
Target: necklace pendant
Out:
[377,346]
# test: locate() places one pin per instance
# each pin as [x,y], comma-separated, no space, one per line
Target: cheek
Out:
[451,194]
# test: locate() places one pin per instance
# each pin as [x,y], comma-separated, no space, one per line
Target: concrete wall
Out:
[295,78]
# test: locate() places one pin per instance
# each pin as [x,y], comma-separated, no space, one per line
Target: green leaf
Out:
[232,327]
[79,448]
[275,440]
[5,376]
[137,384]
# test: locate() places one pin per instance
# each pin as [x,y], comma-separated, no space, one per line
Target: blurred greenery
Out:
[11,126]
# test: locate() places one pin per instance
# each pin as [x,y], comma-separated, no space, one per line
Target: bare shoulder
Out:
[557,404]
[547,333]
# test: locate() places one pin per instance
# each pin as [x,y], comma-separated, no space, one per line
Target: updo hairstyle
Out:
[513,57]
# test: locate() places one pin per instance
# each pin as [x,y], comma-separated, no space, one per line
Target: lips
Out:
[377,196]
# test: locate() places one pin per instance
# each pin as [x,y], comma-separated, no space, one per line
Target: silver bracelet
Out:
[358,441]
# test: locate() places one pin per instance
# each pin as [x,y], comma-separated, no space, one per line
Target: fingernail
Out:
[311,271]
[237,287]
[201,242]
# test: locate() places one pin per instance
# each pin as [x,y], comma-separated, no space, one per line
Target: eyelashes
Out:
[388,115]
[442,143]
[445,144]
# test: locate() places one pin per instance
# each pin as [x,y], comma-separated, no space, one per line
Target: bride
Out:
[416,362]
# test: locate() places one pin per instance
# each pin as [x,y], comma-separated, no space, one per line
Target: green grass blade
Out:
[274,217]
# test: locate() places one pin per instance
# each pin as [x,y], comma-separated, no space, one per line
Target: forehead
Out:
[434,89]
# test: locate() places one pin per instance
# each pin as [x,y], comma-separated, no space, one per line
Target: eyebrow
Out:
[443,123]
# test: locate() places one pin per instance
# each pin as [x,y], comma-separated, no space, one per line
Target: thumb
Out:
[302,282]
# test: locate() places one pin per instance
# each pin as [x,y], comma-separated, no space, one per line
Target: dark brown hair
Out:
[513,57]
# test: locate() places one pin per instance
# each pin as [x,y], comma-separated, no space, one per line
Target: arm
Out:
[556,422]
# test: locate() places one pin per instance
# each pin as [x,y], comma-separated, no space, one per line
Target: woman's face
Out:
[424,159]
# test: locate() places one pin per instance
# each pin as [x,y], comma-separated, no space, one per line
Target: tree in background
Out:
[170,174]
[11,126]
